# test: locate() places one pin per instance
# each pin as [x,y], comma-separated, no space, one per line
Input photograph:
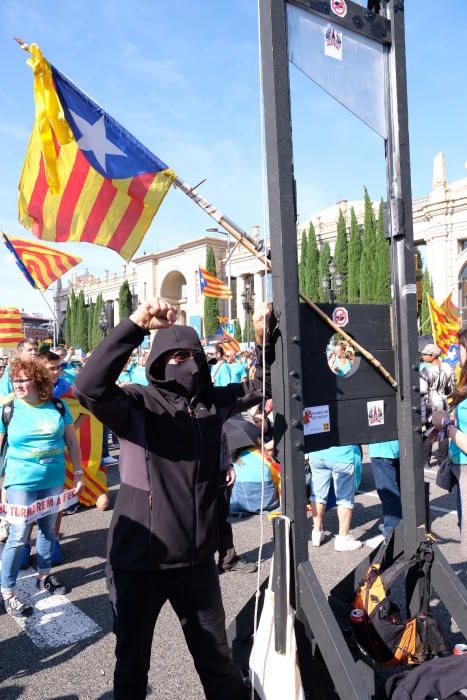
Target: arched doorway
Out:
[174,289]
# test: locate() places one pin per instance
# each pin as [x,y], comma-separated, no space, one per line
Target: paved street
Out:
[74,661]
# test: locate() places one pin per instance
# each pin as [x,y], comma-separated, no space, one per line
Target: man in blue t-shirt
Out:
[386,473]
[220,372]
[238,371]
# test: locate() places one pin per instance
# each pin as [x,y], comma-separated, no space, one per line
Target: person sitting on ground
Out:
[249,470]
[339,465]
[35,468]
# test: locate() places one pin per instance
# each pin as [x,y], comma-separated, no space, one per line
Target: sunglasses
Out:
[183,355]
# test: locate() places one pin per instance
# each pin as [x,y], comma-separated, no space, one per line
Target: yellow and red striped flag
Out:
[445,330]
[85,178]
[211,286]
[451,310]
[11,327]
[40,264]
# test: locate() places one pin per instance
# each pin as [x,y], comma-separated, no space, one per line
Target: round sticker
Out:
[340,316]
[339,7]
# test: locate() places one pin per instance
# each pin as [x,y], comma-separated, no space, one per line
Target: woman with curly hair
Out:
[35,469]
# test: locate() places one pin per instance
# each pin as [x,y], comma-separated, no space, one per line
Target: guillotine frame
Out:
[315,621]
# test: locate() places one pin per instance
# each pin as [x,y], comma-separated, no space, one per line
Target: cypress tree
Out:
[125,301]
[71,319]
[211,304]
[238,331]
[368,258]
[424,321]
[324,260]
[97,333]
[313,281]
[383,262]
[81,323]
[302,264]
[68,323]
[90,319]
[341,258]
[355,251]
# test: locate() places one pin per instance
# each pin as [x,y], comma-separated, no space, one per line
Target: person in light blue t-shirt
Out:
[238,372]
[386,473]
[339,464]
[220,372]
[35,469]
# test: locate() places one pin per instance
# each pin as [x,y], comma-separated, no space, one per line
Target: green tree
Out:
[81,323]
[211,304]
[68,323]
[97,333]
[90,318]
[238,331]
[71,319]
[324,260]
[368,259]
[424,321]
[341,258]
[383,262]
[312,282]
[302,265]
[125,301]
[355,252]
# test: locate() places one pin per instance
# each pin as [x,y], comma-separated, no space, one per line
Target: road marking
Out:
[56,622]
[374,494]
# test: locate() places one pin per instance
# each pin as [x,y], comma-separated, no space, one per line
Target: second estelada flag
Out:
[211,286]
[85,178]
[39,263]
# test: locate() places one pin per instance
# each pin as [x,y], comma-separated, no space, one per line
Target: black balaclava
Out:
[185,374]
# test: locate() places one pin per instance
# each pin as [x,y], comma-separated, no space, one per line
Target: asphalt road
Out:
[82,669]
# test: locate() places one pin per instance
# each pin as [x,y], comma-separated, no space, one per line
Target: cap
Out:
[431,349]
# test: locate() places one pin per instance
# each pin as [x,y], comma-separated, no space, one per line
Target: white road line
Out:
[374,494]
[56,622]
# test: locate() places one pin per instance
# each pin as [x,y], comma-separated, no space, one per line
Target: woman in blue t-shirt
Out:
[35,468]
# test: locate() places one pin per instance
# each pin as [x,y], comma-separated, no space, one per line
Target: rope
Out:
[266,269]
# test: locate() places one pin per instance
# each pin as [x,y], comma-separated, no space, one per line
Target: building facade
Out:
[440,230]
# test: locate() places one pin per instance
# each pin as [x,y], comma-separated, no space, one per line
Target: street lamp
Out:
[332,282]
[248,302]
[103,322]
[229,276]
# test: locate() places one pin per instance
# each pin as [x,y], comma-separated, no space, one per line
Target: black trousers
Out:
[225,545]
[195,596]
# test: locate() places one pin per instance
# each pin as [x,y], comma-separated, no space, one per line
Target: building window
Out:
[462,244]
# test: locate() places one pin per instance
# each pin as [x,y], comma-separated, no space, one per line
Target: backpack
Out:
[8,409]
[381,631]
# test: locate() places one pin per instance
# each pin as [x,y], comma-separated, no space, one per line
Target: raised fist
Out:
[154,313]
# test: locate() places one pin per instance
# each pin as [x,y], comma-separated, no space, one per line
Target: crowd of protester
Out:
[223,465]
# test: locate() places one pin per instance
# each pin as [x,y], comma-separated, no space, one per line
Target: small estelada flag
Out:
[211,286]
[11,327]
[40,264]
[85,177]
[445,329]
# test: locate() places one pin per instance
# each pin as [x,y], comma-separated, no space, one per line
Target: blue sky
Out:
[182,76]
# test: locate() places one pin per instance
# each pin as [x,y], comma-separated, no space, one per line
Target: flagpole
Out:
[252,246]
[57,325]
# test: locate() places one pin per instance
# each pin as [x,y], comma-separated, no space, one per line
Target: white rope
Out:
[263,189]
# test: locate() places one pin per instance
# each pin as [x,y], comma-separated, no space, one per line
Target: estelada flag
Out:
[451,310]
[11,327]
[211,286]
[444,329]
[39,263]
[85,178]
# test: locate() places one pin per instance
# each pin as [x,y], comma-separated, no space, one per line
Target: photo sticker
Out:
[375,411]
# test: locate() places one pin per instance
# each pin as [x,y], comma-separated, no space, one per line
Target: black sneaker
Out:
[52,585]
[16,608]
[240,566]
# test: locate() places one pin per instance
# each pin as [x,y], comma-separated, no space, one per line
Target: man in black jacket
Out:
[163,533]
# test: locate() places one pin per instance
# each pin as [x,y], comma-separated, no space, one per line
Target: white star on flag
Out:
[94,138]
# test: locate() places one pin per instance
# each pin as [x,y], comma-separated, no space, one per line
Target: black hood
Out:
[174,338]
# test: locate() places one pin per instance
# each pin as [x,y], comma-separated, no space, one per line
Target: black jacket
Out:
[164,516]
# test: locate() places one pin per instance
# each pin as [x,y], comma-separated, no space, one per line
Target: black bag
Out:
[439,678]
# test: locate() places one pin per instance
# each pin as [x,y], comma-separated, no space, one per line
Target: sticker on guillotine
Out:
[339,7]
[375,410]
[340,316]
[333,43]
[316,420]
